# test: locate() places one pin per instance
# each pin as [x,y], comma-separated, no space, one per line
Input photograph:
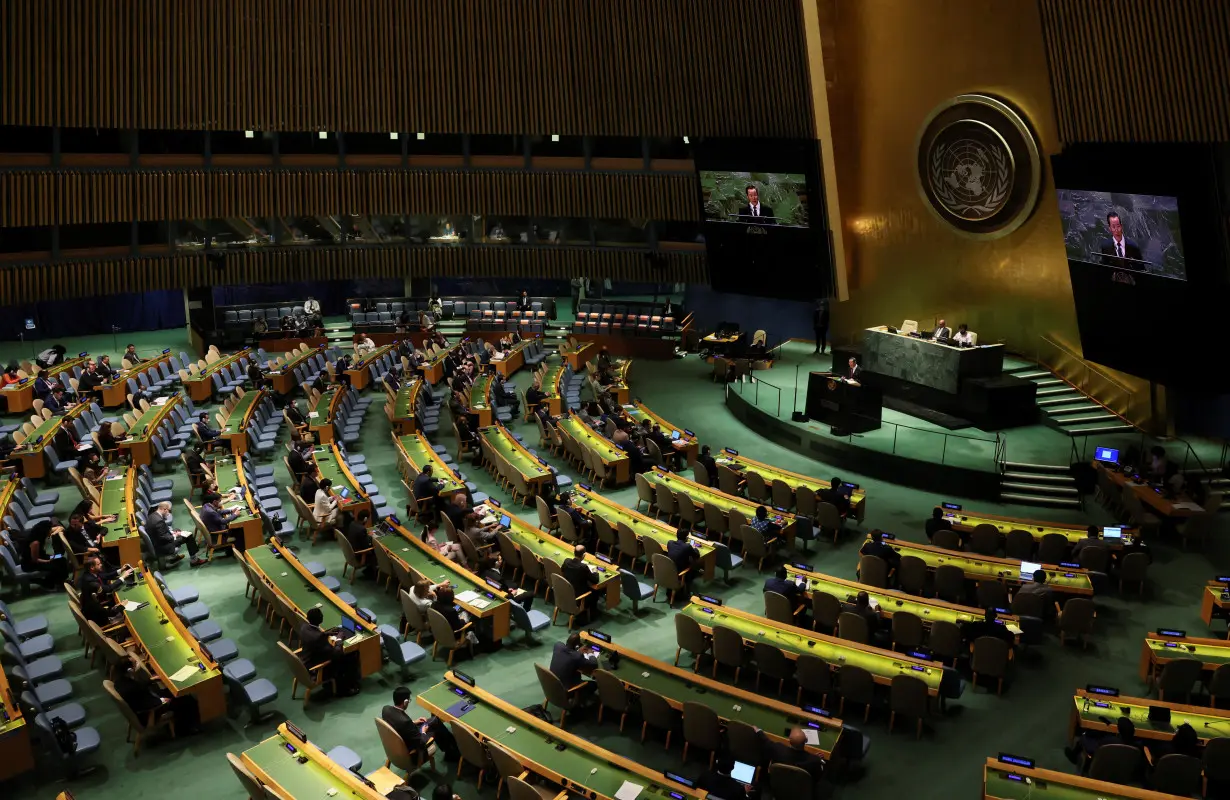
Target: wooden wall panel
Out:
[613,67]
[46,197]
[1139,70]
[52,281]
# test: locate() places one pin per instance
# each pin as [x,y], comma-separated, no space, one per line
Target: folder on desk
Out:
[467,597]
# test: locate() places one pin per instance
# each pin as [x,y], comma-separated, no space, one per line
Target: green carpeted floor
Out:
[1030,719]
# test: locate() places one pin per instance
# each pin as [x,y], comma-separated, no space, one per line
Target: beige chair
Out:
[908,696]
[415,620]
[701,728]
[656,711]
[446,638]
[771,662]
[250,783]
[613,695]
[1076,619]
[567,600]
[825,609]
[814,676]
[666,576]
[778,608]
[138,727]
[629,545]
[354,558]
[793,782]
[728,650]
[645,493]
[689,636]
[555,693]
[990,657]
[472,752]
[909,326]
[852,627]
[546,520]
[395,751]
[302,675]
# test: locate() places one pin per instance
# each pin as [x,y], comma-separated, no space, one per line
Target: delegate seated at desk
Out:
[571,665]
[941,332]
[323,647]
[415,733]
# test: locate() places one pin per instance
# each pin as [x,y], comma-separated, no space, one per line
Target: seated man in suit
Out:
[208,436]
[105,371]
[97,587]
[55,402]
[837,496]
[579,575]
[683,554]
[571,664]
[584,528]
[876,546]
[1091,539]
[937,523]
[707,460]
[718,783]
[90,380]
[218,520]
[989,625]
[166,540]
[417,732]
[130,355]
[942,331]
[321,647]
[862,607]
[1119,251]
[1086,744]
[794,753]
[780,582]
[297,463]
[149,699]
[755,211]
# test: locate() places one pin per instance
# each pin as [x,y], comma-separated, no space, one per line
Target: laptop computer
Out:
[675,435]
[743,773]
[349,627]
[1028,568]
[1112,534]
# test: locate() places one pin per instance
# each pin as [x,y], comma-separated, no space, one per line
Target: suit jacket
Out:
[722,786]
[781,753]
[710,467]
[934,525]
[298,464]
[53,405]
[577,573]
[1131,253]
[316,646]
[568,664]
[942,333]
[682,553]
[833,496]
[405,726]
[524,304]
[854,374]
[160,534]
[766,215]
[88,382]
[215,520]
[783,587]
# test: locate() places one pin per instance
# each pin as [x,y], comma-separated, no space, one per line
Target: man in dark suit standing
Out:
[1119,251]
[820,324]
[416,732]
[755,211]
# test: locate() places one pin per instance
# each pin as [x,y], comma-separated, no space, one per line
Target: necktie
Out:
[1119,248]
[755,211]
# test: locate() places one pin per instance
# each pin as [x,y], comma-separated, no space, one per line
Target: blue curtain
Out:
[83,316]
[331,294]
[783,319]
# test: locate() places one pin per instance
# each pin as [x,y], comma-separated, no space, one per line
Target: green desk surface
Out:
[294,585]
[227,473]
[419,453]
[370,358]
[162,642]
[326,460]
[573,763]
[771,473]
[590,439]
[1111,708]
[149,419]
[45,430]
[836,654]
[599,506]
[209,369]
[639,414]
[502,442]
[550,380]
[299,781]
[478,392]
[1057,579]
[888,602]
[647,675]
[1207,653]
[235,422]
[551,549]
[113,500]
[723,501]
[403,403]
[321,408]
[999,785]
[1070,532]
[432,567]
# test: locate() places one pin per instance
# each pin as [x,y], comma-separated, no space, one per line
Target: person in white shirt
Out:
[312,307]
[963,335]
[325,507]
[363,345]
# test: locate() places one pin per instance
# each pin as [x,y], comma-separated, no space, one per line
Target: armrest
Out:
[364,551]
[577,688]
[1148,755]
[581,597]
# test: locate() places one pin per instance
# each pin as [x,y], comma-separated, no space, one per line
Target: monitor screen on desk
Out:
[1112,533]
[1028,568]
[1106,454]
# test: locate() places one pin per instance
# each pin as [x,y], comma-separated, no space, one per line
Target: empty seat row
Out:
[271,314]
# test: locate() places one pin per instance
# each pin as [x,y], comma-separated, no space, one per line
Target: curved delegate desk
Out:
[1159,648]
[583,768]
[480,399]
[1091,712]
[276,762]
[545,547]
[331,465]
[402,407]
[965,521]
[616,461]
[200,387]
[16,752]
[687,443]
[228,472]
[418,453]
[884,665]
[182,664]
[639,672]
[283,376]
[30,452]
[553,388]
[1002,781]
[725,503]
[139,443]
[19,397]
[360,375]
[120,540]
[323,411]
[479,599]
[1061,579]
[300,590]
[743,464]
[535,471]
[592,504]
[235,430]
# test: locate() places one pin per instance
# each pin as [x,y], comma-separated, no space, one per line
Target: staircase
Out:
[1038,485]
[1065,408]
[340,333]
[1216,481]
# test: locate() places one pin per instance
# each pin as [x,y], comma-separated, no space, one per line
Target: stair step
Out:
[1039,500]
[1029,373]
[1105,415]
[1050,381]
[1022,466]
[1098,429]
[1034,488]
[1055,391]
[1037,478]
[1058,414]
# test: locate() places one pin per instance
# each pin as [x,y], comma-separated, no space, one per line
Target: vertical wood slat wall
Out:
[599,67]
[1139,70]
[47,197]
[55,281]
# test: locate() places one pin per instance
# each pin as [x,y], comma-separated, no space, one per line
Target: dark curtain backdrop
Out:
[331,294]
[83,316]
[780,319]
[542,287]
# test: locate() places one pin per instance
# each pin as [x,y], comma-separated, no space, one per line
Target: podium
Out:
[845,406]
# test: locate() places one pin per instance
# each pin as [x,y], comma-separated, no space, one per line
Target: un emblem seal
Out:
[978,166]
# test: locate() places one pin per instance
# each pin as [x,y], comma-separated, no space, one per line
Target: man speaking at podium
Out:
[854,373]
[755,211]
[1119,251]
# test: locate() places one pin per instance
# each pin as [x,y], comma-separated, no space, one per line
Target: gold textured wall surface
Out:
[892,63]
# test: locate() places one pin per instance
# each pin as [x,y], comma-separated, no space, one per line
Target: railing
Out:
[1097,383]
[1145,442]
[979,452]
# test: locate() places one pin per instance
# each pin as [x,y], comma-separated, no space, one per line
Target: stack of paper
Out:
[183,674]
[628,791]
[467,597]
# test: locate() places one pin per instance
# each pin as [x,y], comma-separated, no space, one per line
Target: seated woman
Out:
[458,620]
[36,555]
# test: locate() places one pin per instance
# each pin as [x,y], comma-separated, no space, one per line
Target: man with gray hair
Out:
[167,540]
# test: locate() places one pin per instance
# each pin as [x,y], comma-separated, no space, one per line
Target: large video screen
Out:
[1132,232]
[755,198]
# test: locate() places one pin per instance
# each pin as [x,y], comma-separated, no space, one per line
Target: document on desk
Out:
[1188,505]
[467,597]
[183,674]
[129,605]
[480,603]
[628,791]
[812,735]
